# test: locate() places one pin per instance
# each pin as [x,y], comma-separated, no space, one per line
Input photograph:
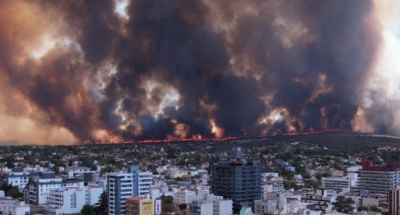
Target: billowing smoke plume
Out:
[73,71]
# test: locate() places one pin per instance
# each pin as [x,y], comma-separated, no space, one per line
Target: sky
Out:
[74,72]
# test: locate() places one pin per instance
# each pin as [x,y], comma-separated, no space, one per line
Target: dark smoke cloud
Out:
[232,64]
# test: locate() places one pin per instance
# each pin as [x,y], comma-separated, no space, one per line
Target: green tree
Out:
[12,191]
[102,209]
[183,206]
[343,205]
[375,209]
[87,210]
[167,204]
[10,163]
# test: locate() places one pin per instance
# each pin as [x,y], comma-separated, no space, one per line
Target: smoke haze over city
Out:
[76,71]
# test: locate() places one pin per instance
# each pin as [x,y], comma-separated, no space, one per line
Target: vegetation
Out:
[102,209]
[183,206]
[10,190]
[343,204]
[167,204]
[87,210]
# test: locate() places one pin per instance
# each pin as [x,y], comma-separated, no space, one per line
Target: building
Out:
[211,205]
[144,183]
[18,177]
[140,206]
[74,172]
[71,200]
[120,187]
[274,203]
[394,201]
[14,208]
[336,183]
[187,196]
[237,179]
[141,181]
[319,200]
[40,188]
[271,182]
[127,184]
[202,207]
[377,180]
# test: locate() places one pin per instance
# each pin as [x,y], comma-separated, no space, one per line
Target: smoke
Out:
[120,70]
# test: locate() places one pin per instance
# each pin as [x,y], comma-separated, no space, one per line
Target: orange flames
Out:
[197,139]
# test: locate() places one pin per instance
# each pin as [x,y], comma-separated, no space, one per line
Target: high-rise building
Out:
[377,180]
[237,179]
[394,201]
[120,187]
[141,181]
[124,185]
[144,183]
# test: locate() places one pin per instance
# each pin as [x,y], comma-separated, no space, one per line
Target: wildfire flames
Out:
[176,70]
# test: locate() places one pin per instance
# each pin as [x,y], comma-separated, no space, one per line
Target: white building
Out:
[334,183]
[274,203]
[222,207]
[394,201]
[120,187]
[72,172]
[212,205]
[18,208]
[187,196]
[71,200]
[18,177]
[40,189]
[321,200]
[144,183]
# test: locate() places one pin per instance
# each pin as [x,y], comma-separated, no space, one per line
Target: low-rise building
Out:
[18,177]
[187,196]
[335,183]
[274,203]
[141,206]
[72,172]
[14,208]
[71,200]
[39,190]
[212,205]
[320,200]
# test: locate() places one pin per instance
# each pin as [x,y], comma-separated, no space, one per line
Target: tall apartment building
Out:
[394,201]
[237,179]
[144,183]
[377,180]
[123,185]
[120,187]
[40,188]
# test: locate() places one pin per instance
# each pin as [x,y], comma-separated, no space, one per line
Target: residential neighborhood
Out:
[298,178]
